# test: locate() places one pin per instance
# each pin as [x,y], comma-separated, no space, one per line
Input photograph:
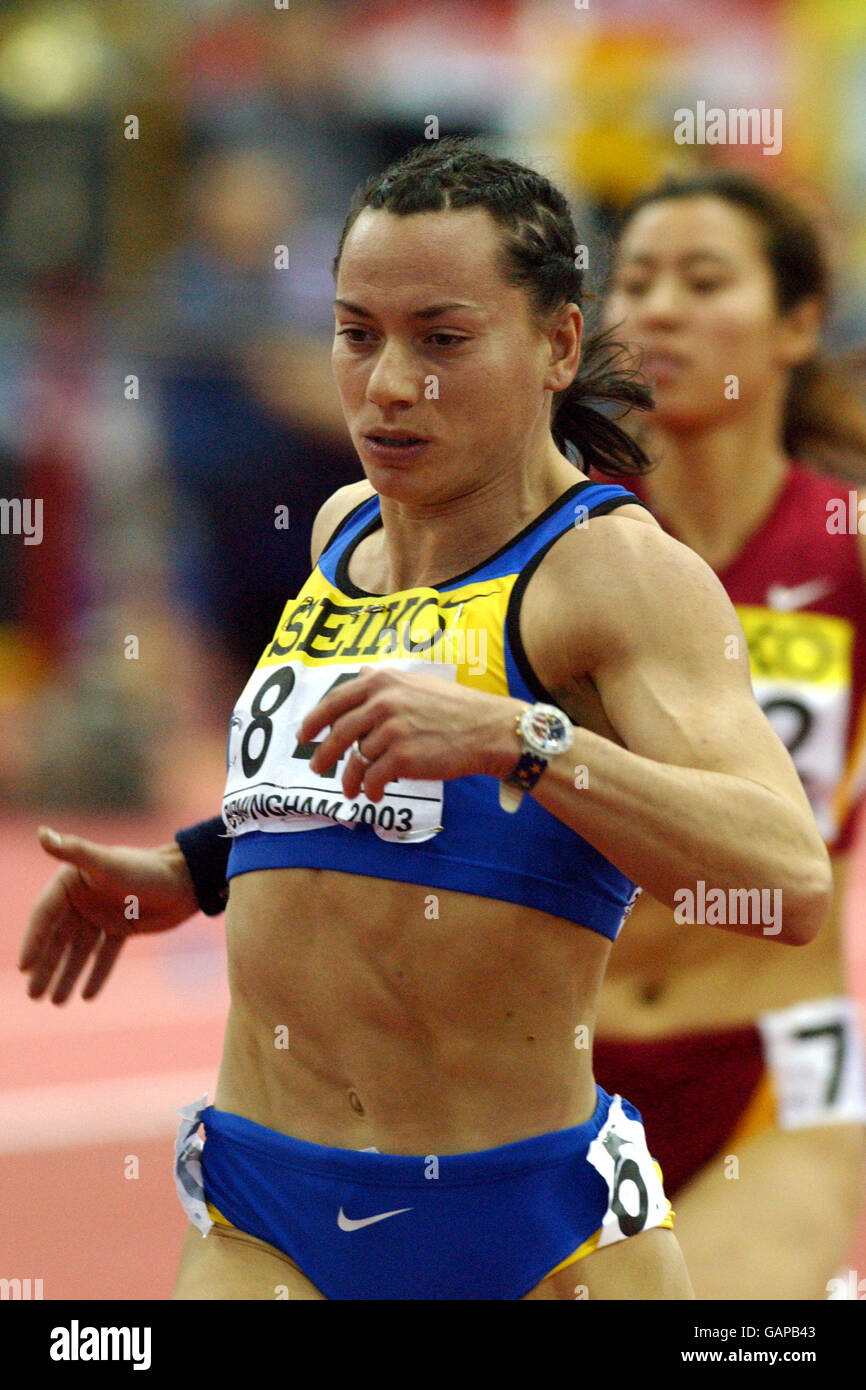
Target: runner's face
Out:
[469,379]
[692,290]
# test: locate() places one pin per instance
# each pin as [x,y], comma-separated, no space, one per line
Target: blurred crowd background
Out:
[164,367]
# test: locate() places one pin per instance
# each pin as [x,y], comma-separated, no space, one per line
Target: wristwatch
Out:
[544,731]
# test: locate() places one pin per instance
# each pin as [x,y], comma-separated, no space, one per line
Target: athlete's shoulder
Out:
[629,503]
[334,510]
[623,535]
[621,577]
[627,548]
[628,512]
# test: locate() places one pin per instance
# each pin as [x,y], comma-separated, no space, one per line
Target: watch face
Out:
[546,729]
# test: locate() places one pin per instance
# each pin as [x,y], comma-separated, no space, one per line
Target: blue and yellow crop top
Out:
[451,835]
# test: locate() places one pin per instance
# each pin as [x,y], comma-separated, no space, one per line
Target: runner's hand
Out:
[410,724]
[102,895]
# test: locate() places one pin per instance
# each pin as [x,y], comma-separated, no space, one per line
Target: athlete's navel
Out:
[650,992]
[355,1102]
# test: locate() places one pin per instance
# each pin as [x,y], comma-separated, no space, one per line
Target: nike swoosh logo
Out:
[346,1223]
[787,598]
[479,593]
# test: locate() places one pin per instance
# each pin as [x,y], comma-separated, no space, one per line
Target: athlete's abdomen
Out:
[370,1012]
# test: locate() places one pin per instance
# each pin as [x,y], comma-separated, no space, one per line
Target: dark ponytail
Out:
[538,247]
[825,421]
[606,378]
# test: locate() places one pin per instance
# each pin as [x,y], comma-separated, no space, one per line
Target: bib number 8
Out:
[282,682]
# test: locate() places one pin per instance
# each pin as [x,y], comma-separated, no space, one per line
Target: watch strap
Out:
[529,766]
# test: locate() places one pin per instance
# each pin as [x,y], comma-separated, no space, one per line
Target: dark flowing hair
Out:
[824,420]
[538,242]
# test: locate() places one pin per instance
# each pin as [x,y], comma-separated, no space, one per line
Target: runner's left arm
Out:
[700,788]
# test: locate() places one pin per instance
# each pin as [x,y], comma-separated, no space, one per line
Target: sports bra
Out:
[450,835]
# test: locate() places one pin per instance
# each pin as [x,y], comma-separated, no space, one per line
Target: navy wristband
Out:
[205,847]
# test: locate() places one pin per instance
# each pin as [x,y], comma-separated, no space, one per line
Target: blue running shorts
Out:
[489,1224]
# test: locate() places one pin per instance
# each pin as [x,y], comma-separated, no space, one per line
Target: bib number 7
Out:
[815,1060]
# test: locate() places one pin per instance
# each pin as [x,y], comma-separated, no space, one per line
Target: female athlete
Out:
[501,701]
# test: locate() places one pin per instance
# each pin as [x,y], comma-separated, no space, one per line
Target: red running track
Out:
[88,1091]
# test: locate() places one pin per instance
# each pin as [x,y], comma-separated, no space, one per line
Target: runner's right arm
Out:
[205,846]
[104,894]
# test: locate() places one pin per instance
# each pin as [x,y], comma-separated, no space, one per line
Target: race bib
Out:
[187,1165]
[801,676]
[270,785]
[636,1198]
[815,1058]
